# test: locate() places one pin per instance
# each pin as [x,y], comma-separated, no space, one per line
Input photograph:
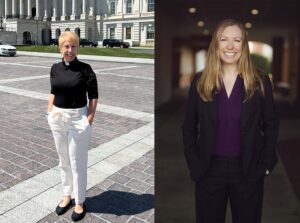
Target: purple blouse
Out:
[228,140]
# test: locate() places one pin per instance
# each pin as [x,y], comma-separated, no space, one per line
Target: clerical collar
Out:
[70,63]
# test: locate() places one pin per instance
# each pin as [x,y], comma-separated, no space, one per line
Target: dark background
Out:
[277,24]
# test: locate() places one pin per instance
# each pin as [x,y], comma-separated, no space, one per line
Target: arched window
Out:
[46,36]
[57,33]
[26,38]
[77,31]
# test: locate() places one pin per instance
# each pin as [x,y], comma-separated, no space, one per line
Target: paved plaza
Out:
[121,155]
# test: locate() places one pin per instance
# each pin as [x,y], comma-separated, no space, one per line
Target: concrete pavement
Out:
[91,57]
[121,158]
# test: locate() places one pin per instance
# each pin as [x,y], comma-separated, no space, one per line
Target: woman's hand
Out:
[50,103]
[92,110]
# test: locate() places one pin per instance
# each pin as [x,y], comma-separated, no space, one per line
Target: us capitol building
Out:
[39,21]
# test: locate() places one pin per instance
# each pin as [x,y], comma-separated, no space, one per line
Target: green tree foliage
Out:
[261,63]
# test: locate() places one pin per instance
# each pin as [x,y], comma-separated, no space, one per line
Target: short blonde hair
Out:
[68,36]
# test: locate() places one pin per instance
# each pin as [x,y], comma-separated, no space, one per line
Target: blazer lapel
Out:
[213,108]
[245,112]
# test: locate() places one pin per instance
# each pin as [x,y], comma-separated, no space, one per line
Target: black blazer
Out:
[259,132]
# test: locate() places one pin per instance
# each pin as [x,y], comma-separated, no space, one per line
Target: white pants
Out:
[72,132]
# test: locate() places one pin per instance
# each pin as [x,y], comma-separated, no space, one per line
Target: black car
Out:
[54,42]
[86,42]
[115,43]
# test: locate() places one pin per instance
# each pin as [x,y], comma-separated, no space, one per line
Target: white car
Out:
[6,49]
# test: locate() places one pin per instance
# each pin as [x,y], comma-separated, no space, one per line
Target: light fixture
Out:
[254,12]
[192,10]
[248,25]
[206,32]
[200,23]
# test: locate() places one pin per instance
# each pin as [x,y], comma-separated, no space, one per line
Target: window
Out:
[128,6]
[57,33]
[150,32]
[112,33]
[113,8]
[150,5]
[77,31]
[128,33]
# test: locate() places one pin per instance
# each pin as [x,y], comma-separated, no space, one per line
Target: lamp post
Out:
[1,21]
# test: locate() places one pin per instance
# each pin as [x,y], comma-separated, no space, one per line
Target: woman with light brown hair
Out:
[71,109]
[230,130]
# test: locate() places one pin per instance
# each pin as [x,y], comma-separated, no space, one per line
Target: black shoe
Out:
[61,210]
[78,216]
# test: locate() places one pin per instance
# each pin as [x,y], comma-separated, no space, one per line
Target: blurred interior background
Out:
[183,33]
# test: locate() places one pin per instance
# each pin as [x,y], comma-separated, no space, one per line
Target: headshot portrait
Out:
[227,106]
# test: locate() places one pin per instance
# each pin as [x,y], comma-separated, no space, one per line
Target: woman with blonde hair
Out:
[71,109]
[230,130]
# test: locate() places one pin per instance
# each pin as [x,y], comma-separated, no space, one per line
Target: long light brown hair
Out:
[210,80]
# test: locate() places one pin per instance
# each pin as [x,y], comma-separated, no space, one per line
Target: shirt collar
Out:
[70,64]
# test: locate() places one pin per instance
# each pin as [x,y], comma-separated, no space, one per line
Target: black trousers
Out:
[224,180]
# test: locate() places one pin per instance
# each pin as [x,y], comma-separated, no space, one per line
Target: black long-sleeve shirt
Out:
[71,84]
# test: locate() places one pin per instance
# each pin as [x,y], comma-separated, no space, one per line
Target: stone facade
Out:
[8,37]
[39,21]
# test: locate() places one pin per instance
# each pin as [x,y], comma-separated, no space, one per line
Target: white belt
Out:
[66,114]
[59,114]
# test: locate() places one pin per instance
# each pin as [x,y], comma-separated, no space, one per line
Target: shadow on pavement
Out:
[120,203]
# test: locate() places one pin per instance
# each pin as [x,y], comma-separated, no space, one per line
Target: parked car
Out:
[6,49]
[86,42]
[115,43]
[54,42]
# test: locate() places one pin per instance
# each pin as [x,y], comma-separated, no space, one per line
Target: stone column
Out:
[29,14]
[83,14]
[6,10]
[14,8]
[45,10]
[144,5]
[22,9]
[74,7]
[122,8]
[92,9]
[37,6]
[64,10]
[1,8]
[54,13]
